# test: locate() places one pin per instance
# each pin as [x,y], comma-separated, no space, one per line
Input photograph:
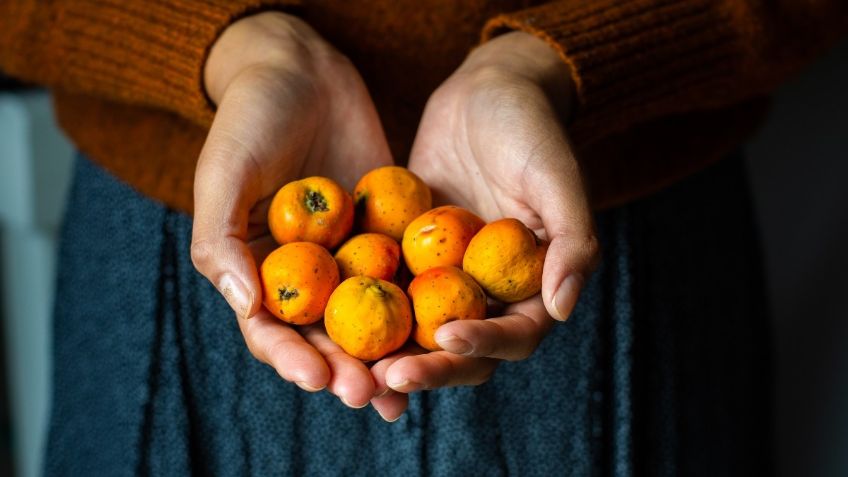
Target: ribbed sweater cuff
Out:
[150,53]
[634,60]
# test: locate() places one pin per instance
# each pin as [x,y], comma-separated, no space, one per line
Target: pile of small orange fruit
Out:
[455,257]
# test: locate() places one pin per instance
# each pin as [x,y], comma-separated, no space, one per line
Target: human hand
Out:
[289,106]
[492,140]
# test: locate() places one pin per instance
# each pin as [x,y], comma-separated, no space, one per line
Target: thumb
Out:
[229,182]
[573,249]
[223,197]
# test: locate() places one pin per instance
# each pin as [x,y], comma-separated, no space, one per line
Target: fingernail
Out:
[307,387]
[384,393]
[386,418]
[348,404]
[404,385]
[454,344]
[565,298]
[236,295]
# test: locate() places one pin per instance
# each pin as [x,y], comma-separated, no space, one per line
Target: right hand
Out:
[289,106]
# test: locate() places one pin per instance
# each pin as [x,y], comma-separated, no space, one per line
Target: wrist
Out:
[519,56]
[266,40]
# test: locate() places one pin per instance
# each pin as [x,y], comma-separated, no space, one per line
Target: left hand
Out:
[492,140]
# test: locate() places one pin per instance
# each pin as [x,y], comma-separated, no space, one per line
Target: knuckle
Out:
[202,255]
[493,342]
[447,374]
[592,250]
[523,343]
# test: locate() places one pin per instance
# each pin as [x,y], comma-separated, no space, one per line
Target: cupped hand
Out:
[289,106]
[492,140]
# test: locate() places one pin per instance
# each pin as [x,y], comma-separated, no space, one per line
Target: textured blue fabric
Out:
[662,370]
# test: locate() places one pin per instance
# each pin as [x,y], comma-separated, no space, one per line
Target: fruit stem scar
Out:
[377,290]
[285,294]
[316,202]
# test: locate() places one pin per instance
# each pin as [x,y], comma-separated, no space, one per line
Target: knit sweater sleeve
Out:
[637,60]
[147,53]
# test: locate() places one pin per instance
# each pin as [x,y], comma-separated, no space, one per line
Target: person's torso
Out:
[404,48]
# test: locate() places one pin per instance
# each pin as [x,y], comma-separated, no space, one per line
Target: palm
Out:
[477,160]
[495,145]
[332,132]
[473,158]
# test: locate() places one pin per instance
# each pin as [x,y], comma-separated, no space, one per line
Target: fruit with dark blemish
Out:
[388,198]
[438,238]
[368,317]
[297,280]
[441,295]
[285,294]
[314,209]
[371,254]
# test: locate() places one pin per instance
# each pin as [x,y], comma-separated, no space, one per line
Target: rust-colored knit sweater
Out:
[664,86]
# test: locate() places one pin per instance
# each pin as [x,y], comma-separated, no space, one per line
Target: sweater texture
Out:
[664,87]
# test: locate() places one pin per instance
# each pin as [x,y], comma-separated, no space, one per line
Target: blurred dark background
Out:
[798,163]
[799,168]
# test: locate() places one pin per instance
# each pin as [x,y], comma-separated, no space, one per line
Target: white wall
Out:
[36,165]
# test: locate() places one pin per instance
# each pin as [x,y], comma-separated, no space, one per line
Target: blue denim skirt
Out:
[663,369]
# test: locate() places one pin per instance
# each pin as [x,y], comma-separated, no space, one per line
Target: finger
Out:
[218,249]
[438,369]
[391,407]
[280,346]
[378,370]
[350,379]
[561,202]
[512,337]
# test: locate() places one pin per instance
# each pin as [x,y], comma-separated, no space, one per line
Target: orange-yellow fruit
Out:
[368,317]
[297,280]
[439,237]
[388,199]
[374,255]
[506,258]
[441,295]
[314,209]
